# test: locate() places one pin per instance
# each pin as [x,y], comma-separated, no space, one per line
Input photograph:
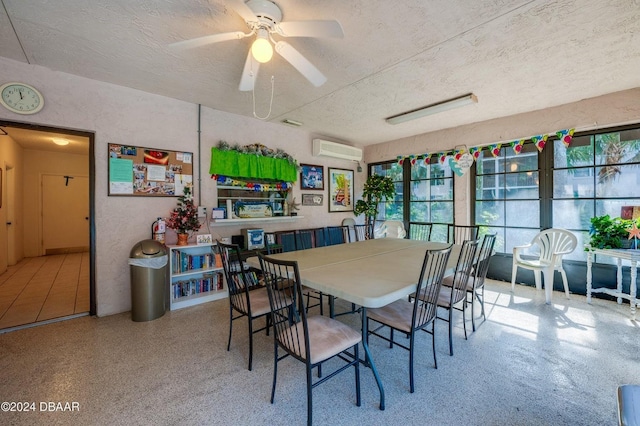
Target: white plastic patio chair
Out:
[554,243]
[391,229]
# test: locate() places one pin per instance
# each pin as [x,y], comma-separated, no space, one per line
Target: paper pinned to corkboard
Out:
[140,171]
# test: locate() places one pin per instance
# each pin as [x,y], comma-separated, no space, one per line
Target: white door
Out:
[65,212]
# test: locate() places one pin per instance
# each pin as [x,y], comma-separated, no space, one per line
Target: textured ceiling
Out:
[514,55]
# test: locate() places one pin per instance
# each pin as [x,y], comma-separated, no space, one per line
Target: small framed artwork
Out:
[311,176]
[340,190]
[204,239]
[312,199]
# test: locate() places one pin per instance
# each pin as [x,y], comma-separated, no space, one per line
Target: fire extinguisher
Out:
[158,230]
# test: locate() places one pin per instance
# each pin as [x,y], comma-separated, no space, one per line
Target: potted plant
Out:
[184,218]
[376,189]
[610,232]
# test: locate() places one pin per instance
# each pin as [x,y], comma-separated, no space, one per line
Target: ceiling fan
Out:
[263,17]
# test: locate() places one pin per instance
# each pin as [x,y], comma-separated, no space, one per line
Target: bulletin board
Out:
[149,172]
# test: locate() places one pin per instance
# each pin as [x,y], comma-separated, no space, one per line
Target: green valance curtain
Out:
[250,166]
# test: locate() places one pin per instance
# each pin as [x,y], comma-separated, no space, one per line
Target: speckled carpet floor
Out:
[528,364]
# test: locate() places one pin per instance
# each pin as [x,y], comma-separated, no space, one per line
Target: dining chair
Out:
[338,235]
[286,239]
[475,288]
[628,405]
[410,317]
[391,229]
[420,231]
[246,298]
[553,244]
[457,234]
[453,293]
[270,244]
[311,339]
[320,237]
[305,239]
[350,223]
[361,232]
[475,284]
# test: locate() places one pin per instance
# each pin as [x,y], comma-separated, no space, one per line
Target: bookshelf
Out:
[194,276]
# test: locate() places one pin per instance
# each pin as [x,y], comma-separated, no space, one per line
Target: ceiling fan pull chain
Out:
[253,92]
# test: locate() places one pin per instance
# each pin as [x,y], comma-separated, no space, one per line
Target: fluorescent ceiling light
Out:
[433,109]
[291,122]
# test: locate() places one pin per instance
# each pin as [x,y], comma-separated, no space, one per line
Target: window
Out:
[391,209]
[596,175]
[507,195]
[430,189]
[563,187]
[431,199]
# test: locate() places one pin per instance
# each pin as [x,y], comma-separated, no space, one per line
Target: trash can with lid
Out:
[148,261]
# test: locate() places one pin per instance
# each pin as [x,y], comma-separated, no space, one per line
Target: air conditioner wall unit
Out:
[336,150]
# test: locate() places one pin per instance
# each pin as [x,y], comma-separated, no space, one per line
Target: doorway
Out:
[50,274]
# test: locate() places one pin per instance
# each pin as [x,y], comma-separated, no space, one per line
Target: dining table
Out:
[370,273]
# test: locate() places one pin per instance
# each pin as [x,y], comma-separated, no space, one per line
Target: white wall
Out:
[604,111]
[11,156]
[126,116]
[40,163]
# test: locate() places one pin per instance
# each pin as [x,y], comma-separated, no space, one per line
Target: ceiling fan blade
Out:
[301,63]
[249,73]
[244,11]
[310,29]
[214,38]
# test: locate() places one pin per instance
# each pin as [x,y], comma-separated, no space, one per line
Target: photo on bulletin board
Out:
[340,190]
[138,171]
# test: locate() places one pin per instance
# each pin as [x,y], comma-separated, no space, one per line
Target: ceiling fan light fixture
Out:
[60,141]
[261,48]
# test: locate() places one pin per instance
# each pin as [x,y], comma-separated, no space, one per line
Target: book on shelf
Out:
[247,279]
[183,261]
[206,283]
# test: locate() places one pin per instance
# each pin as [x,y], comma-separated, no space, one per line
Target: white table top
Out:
[370,273]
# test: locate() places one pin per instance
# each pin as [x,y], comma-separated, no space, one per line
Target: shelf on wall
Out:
[275,219]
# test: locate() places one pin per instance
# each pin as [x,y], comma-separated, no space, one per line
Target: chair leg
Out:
[473,317]
[450,331]
[433,343]
[250,320]
[275,371]
[536,277]
[514,270]
[356,365]
[565,282]
[309,398]
[464,317]
[390,337]
[230,327]
[411,388]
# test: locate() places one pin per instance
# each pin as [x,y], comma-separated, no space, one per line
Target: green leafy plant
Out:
[609,232]
[376,189]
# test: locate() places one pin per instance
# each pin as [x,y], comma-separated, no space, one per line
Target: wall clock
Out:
[21,98]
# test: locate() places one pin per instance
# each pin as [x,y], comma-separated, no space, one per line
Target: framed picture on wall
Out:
[311,176]
[312,199]
[340,190]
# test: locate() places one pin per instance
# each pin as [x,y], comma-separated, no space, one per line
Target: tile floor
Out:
[44,288]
